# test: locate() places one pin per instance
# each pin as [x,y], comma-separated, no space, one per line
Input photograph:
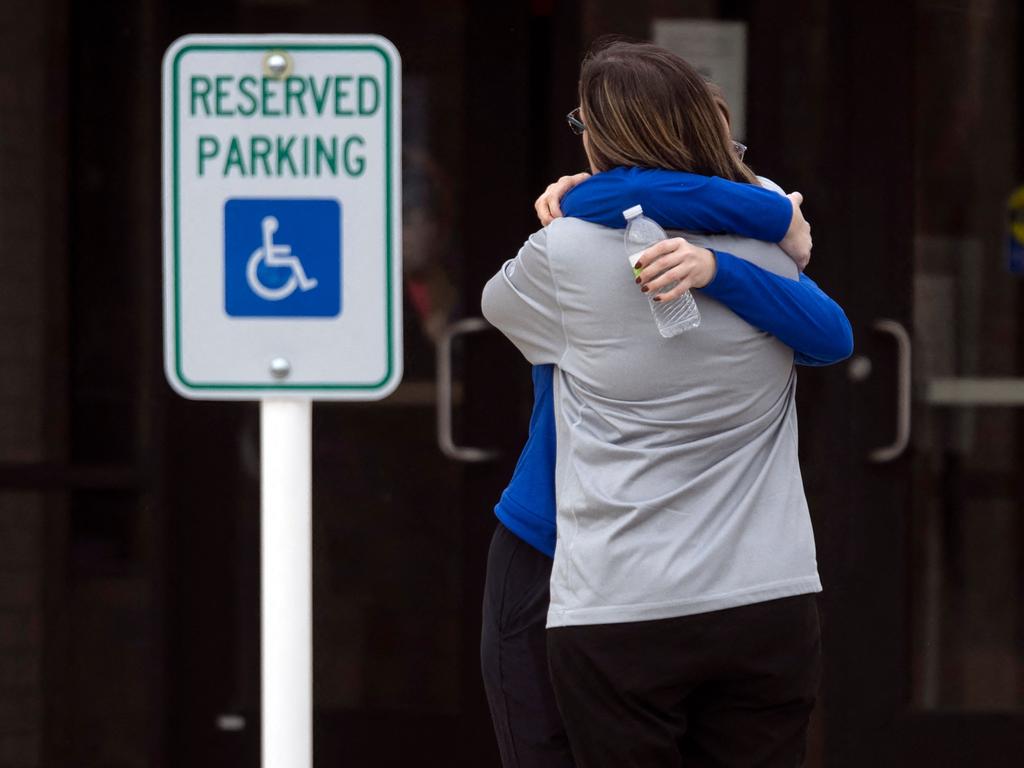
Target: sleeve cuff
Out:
[725,271]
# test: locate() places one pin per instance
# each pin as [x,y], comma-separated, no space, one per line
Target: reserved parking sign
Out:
[282,257]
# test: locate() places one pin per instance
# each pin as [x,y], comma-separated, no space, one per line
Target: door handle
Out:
[444,392]
[903,392]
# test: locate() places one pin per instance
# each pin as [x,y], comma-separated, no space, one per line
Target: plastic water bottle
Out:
[671,317]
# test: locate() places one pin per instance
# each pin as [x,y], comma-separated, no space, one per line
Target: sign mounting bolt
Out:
[277,64]
[280,368]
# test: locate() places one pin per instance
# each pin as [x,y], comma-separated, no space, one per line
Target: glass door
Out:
[924,550]
[967,521]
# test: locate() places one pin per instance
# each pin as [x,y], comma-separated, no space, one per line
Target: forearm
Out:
[797,312]
[678,200]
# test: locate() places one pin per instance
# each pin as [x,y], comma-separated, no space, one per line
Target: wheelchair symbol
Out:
[276,256]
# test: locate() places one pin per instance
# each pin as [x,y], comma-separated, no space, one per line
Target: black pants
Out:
[514,656]
[726,688]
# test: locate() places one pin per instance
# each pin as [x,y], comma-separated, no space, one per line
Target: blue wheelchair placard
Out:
[282,257]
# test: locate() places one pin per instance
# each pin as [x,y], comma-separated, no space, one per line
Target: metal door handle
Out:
[444,392]
[230,721]
[903,393]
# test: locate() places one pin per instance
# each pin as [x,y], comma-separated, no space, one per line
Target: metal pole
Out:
[286,619]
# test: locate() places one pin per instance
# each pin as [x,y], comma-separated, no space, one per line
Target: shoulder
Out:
[771,185]
[566,230]
[571,244]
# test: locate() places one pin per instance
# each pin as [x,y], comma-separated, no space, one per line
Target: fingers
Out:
[671,285]
[660,249]
[548,206]
[797,243]
[796,197]
[555,193]
[675,293]
[805,258]
[540,206]
[680,272]
[543,213]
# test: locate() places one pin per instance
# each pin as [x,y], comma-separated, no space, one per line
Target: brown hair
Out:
[718,96]
[645,107]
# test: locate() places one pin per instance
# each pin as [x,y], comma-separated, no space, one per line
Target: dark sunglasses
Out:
[575,124]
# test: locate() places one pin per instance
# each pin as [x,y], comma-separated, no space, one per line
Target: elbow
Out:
[491,304]
[840,337]
[844,345]
[487,303]
[841,346]
[834,347]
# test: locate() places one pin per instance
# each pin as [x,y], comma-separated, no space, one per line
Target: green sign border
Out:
[389,218]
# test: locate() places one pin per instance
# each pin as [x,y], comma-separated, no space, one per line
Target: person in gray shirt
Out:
[682,624]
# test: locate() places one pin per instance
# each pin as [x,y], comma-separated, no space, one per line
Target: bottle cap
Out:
[632,213]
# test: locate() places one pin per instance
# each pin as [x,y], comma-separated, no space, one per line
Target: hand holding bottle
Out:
[675,260]
[671,317]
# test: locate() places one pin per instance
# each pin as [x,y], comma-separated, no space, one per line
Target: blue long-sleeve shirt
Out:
[796,312]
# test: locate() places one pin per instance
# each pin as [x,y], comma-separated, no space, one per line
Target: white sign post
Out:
[286,583]
[282,282]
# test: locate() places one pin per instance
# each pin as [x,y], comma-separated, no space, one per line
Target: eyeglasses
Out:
[739,149]
[575,124]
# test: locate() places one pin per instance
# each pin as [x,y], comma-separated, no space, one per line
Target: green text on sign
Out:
[293,155]
[249,96]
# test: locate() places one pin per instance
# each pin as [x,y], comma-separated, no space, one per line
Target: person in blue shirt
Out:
[797,312]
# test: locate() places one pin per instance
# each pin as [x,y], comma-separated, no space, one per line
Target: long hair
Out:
[718,96]
[646,107]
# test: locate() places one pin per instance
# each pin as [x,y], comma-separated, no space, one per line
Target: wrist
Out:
[711,259]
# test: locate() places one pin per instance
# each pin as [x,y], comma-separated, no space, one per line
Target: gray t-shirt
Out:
[677,480]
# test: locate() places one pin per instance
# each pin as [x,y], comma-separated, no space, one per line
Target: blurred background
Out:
[129,536]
